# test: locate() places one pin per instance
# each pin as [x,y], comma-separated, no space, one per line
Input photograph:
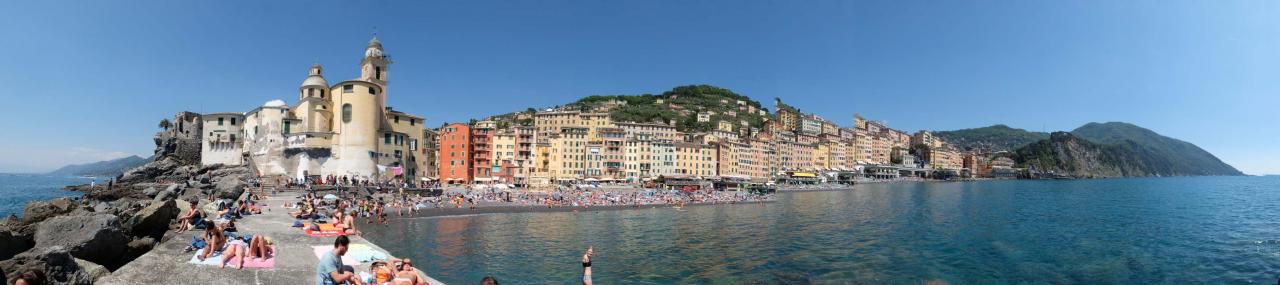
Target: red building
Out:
[455,158]
[482,151]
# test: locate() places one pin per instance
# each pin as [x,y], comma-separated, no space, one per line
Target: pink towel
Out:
[269,262]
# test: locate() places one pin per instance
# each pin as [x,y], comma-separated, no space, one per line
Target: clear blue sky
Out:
[88,80]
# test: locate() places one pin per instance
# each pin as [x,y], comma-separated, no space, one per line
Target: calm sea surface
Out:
[1117,231]
[17,189]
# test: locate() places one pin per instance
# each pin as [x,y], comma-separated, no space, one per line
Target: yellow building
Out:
[695,159]
[568,156]
[344,129]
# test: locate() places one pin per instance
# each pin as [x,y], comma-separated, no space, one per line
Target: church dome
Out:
[315,80]
[274,103]
[315,77]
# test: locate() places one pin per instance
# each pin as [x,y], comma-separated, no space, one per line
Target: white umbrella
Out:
[330,197]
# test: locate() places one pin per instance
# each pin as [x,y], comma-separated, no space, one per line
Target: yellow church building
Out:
[344,129]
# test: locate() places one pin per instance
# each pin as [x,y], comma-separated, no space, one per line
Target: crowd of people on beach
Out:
[341,208]
[221,236]
[341,211]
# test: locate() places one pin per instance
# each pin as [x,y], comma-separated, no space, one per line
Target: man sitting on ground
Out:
[330,270]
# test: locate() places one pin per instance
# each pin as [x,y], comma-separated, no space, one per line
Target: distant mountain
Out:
[1165,155]
[993,138]
[102,168]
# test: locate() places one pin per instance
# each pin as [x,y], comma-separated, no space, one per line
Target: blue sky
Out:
[86,81]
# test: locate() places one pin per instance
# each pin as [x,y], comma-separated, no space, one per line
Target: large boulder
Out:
[140,246]
[101,207]
[150,192]
[37,211]
[92,270]
[153,220]
[150,171]
[210,208]
[230,186]
[56,262]
[12,243]
[165,195]
[97,238]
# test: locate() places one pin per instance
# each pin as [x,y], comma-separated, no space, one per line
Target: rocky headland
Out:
[78,240]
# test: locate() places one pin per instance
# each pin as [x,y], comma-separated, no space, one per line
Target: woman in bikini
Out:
[349,225]
[406,274]
[214,239]
[236,248]
[260,247]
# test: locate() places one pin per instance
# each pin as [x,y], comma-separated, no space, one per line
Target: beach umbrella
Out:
[330,197]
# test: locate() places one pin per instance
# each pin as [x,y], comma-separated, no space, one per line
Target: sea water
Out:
[18,189]
[1189,230]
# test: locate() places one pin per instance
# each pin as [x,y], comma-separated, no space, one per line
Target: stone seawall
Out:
[295,262]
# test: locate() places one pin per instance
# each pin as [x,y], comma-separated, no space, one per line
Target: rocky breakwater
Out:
[76,241]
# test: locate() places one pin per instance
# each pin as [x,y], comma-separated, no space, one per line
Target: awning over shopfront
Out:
[803,175]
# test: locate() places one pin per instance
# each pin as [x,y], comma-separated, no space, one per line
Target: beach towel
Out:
[322,230]
[368,279]
[269,262]
[356,253]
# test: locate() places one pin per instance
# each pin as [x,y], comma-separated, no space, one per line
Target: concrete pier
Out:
[295,260]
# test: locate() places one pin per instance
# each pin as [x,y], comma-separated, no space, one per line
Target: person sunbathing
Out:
[260,247]
[189,219]
[214,239]
[337,220]
[300,213]
[381,274]
[349,224]
[405,273]
[236,248]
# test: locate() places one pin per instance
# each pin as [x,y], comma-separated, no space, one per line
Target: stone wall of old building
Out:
[182,140]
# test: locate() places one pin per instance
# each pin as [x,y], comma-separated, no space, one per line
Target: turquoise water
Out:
[1118,231]
[17,189]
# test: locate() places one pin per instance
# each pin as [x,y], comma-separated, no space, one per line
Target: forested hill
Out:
[1065,154]
[1118,150]
[990,139]
[681,105]
[1162,155]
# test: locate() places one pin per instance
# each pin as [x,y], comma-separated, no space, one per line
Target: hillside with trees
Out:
[1162,155]
[991,139]
[1118,150]
[680,106]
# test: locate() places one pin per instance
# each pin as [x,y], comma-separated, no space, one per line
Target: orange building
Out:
[455,154]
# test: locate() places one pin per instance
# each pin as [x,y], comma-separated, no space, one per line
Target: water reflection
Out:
[1192,230]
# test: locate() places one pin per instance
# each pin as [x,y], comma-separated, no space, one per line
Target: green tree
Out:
[165,124]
